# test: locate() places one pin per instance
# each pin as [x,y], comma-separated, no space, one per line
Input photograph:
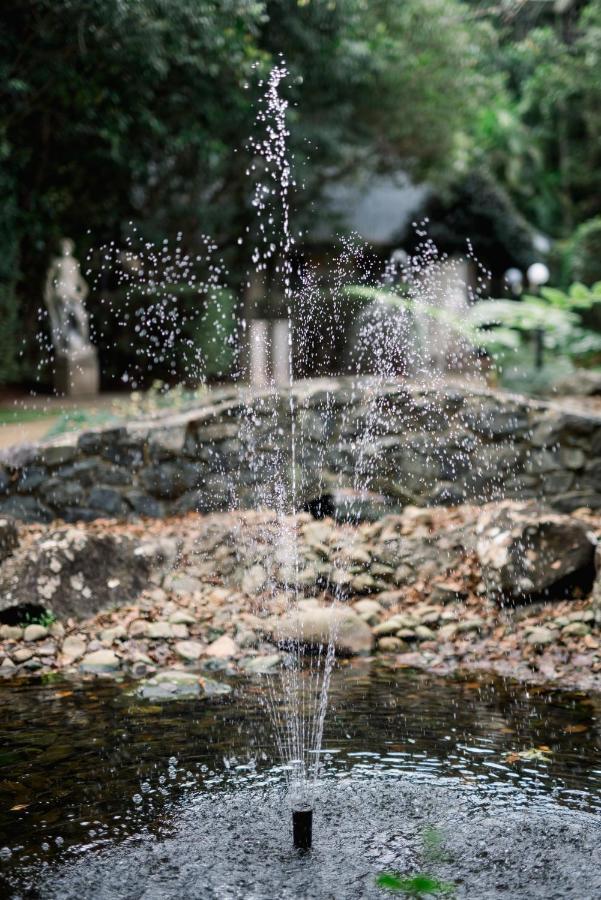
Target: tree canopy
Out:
[114,111]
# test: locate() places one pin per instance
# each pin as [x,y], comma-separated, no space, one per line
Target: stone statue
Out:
[76,370]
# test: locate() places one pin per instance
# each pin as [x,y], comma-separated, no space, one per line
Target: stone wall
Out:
[360,449]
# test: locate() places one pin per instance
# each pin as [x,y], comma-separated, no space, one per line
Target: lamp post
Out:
[537,275]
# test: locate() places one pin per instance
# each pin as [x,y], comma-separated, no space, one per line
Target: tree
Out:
[113,111]
[542,132]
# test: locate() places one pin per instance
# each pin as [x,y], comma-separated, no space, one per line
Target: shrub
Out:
[585,254]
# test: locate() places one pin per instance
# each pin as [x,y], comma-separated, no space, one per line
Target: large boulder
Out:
[316,626]
[526,550]
[72,572]
[9,538]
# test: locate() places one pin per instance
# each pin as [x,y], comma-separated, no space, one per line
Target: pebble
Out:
[423,633]
[189,650]
[11,632]
[540,636]
[368,608]
[576,629]
[447,632]
[181,617]
[74,646]
[57,630]
[35,633]
[474,624]
[100,661]
[260,665]
[223,648]
[159,631]
[391,645]
[179,631]
[108,635]
[22,654]
[138,628]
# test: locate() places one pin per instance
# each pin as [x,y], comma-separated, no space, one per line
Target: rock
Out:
[11,632]
[391,645]
[475,624]
[100,661]
[22,654]
[447,632]
[73,572]
[159,631]
[254,580]
[171,684]
[575,629]
[9,538]
[189,650]
[540,636]
[525,549]
[223,648]
[246,638]
[138,628]
[180,617]
[175,684]
[406,634]
[443,593]
[363,584]
[7,664]
[117,633]
[33,664]
[74,646]
[369,610]
[318,626]
[261,665]
[179,631]
[391,626]
[182,584]
[34,633]
[423,633]
[57,630]
[583,382]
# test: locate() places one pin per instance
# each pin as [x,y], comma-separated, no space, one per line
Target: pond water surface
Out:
[492,788]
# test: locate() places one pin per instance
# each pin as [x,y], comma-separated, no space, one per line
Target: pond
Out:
[488,788]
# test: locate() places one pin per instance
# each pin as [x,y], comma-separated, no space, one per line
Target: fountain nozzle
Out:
[302,827]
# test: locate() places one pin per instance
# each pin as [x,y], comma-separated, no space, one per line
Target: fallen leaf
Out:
[575,729]
[533,753]
[19,806]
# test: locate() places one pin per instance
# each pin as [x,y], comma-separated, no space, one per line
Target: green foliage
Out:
[541,132]
[136,111]
[501,327]
[585,252]
[9,271]
[205,325]
[557,315]
[416,886]
[44,618]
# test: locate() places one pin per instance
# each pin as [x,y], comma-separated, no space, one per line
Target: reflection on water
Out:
[84,766]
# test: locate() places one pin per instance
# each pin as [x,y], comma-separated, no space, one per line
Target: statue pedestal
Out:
[77,374]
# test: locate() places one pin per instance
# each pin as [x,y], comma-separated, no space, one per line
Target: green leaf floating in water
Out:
[413,885]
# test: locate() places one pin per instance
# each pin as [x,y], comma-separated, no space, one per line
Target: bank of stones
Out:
[414,582]
[398,444]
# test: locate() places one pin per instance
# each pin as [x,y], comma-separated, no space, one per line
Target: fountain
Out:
[295,470]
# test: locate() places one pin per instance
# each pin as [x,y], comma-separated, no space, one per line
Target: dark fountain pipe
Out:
[302,827]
